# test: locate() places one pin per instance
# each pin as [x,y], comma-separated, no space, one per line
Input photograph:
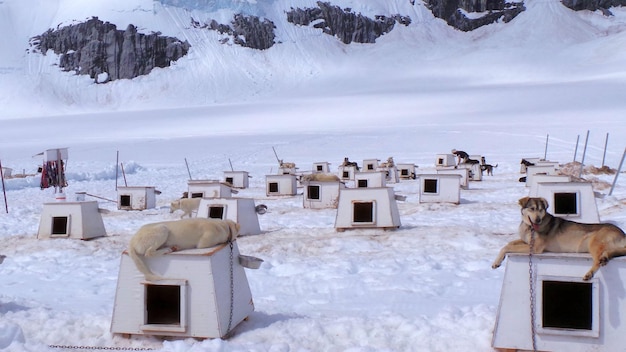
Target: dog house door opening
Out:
[165,306]
[319,168]
[362,184]
[230,180]
[313,192]
[345,174]
[197,195]
[217,211]
[60,226]
[125,200]
[363,212]
[566,203]
[430,185]
[569,307]
[404,172]
[273,187]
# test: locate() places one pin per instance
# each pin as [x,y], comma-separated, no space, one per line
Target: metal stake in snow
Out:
[582,162]
[576,148]
[188,172]
[606,142]
[545,152]
[619,169]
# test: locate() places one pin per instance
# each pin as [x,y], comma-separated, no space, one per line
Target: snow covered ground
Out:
[500,91]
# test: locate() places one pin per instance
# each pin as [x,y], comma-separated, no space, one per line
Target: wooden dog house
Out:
[281,185]
[547,169]
[321,194]
[237,179]
[445,160]
[323,167]
[406,171]
[463,172]
[239,210]
[208,189]
[440,188]
[570,314]
[372,179]
[347,172]
[136,198]
[532,192]
[206,294]
[571,200]
[78,220]
[367,208]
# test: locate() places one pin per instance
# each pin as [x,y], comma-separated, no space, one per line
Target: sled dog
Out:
[554,234]
[168,236]
[187,205]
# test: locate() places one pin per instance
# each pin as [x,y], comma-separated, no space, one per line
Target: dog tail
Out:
[141,265]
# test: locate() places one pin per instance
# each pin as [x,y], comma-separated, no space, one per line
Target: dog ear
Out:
[545,203]
[523,201]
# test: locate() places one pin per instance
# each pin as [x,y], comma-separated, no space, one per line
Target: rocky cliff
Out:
[247,31]
[344,24]
[103,52]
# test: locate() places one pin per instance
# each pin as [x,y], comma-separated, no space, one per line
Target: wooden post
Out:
[582,162]
[188,173]
[4,192]
[545,152]
[576,149]
[619,169]
[606,142]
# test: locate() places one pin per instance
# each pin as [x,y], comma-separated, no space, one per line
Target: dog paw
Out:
[173,248]
[604,259]
[495,265]
[588,276]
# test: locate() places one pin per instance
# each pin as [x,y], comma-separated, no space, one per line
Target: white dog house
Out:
[136,198]
[464,180]
[370,165]
[406,171]
[208,189]
[238,179]
[391,173]
[78,220]
[321,194]
[570,314]
[207,296]
[347,172]
[370,179]
[536,162]
[571,200]
[547,169]
[281,185]
[545,179]
[445,160]
[367,208]
[440,188]
[239,210]
[322,166]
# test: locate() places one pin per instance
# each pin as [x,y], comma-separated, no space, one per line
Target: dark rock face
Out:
[593,5]
[95,47]
[247,31]
[448,10]
[344,24]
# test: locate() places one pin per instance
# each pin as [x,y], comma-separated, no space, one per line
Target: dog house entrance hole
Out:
[216,211]
[362,184]
[273,187]
[319,168]
[569,307]
[404,172]
[363,212]
[230,180]
[346,174]
[125,200]
[370,166]
[165,306]
[566,203]
[59,226]
[430,185]
[313,192]
[197,195]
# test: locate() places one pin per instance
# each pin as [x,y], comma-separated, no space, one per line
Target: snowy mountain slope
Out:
[547,38]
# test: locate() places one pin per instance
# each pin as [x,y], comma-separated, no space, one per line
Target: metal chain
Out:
[531,284]
[68,347]
[232,289]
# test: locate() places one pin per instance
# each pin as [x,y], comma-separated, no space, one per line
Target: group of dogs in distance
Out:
[546,233]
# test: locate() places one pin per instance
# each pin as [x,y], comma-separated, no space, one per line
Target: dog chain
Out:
[531,284]
[232,290]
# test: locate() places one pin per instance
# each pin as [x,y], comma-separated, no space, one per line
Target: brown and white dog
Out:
[555,234]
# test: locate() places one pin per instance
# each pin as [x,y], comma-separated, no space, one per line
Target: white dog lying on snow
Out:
[187,205]
[169,236]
